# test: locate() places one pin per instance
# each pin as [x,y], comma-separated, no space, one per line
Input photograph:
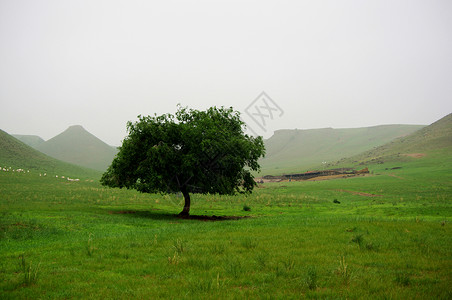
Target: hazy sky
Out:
[323,63]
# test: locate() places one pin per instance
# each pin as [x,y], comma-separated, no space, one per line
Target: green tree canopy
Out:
[192,151]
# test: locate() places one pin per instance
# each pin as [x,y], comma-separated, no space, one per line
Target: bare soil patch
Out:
[314,175]
[329,177]
[360,193]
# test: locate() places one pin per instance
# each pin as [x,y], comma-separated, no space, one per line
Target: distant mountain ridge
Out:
[435,137]
[287,151]
[77,146]
[30,140]
[299,150]
[16,154]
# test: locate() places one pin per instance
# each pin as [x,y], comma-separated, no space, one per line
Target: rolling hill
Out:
[16,154]
[77,146]
[432,140]
[30,140]
[299,150]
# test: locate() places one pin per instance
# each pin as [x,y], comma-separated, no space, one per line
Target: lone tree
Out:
[193,151]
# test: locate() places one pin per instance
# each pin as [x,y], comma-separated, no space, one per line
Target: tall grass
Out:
[30,272]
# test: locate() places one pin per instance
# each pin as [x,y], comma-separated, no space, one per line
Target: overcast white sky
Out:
[323,63]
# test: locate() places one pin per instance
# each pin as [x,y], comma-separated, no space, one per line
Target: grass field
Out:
[389,237]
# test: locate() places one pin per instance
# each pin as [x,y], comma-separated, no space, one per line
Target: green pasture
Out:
[385,236]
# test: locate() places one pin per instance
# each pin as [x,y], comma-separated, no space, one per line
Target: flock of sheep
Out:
[10,169]
[5,169]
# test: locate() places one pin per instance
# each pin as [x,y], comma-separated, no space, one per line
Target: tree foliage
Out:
[192,151]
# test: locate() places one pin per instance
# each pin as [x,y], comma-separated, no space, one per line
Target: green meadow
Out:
[387,235]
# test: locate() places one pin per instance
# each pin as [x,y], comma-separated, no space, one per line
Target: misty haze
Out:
[225,149]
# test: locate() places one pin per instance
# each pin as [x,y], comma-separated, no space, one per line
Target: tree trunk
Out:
[186,211]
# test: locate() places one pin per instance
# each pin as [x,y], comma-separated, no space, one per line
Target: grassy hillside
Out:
[30,140]
[299,150]
[15,154]
[77,146]
[434,140]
